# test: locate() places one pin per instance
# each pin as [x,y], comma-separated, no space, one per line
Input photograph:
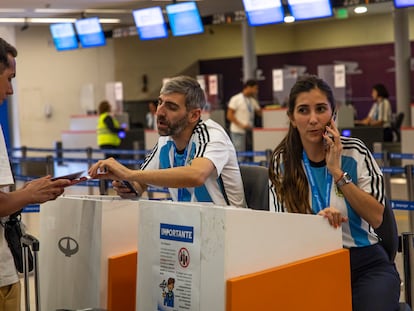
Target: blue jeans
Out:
[239,142]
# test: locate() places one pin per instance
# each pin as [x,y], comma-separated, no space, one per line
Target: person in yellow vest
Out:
[108,130]
[109,133]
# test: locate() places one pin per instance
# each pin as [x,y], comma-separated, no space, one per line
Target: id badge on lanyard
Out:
[321,202]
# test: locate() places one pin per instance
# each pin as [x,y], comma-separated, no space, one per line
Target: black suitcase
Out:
[29,241]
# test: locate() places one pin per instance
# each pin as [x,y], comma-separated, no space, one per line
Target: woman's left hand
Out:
[334,216]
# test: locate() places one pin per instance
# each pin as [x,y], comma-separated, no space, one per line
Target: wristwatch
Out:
[345,179]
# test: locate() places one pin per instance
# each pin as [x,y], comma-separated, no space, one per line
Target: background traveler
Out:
[241,112]
[109,132]
[151,116]
[380,112]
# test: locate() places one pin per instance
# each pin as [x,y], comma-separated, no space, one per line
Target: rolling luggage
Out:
[29,241]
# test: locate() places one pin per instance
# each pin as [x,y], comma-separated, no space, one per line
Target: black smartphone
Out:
[71,176]
[130,187]
[329,124]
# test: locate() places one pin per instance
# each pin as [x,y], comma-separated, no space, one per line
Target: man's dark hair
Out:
[250,82]
[6,49]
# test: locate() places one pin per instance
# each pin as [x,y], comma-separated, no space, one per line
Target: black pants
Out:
[374,279]
[388,134]
[110,154]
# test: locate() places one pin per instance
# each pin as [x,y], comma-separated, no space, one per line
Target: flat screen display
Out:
[64,36]
[184,19]
[310,9]
[150,23]
[263,12]
[90,32]
[403,3]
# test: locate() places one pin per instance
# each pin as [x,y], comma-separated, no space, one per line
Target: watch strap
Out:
[345,179]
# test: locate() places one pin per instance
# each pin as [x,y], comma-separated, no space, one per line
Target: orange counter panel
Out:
[122,276]
[315,284]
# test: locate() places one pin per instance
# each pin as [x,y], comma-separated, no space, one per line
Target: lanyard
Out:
[180,160]
[321,204]
[249,105]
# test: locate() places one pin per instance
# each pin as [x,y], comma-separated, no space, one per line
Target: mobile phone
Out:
[333,118]
[71,176]
[130,187]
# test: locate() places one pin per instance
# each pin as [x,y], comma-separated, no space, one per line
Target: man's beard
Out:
[173,128]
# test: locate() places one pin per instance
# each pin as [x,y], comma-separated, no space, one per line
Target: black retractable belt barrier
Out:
[59,152]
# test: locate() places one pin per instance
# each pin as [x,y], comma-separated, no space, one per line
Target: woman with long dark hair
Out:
[314,170]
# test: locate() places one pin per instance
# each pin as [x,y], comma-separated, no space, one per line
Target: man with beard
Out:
[194,159]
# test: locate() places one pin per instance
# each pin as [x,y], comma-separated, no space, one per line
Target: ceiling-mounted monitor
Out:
[90,32]
[399,4]
[263,12]
[64,36]
[310,9]
[184,19]
[150,23]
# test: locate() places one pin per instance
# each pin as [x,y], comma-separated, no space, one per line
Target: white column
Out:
[249,52]
[402,53]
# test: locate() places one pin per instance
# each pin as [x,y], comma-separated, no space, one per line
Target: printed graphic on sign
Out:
[184,257]
[177,272]
[167,294]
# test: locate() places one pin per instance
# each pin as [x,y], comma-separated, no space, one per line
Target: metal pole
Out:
[136,146]
[410,192]
[59,152]
[408,245]
[407,241]
[26,277]
[49,165]
[89,152]
[387,182]
[268,156]
[386,158]
[24,151]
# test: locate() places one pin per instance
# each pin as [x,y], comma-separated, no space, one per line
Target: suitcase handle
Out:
[28,240]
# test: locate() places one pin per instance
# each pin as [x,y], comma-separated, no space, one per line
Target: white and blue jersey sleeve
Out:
[359,163]
[209,140]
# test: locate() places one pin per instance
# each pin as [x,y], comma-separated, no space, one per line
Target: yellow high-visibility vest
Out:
[104,134]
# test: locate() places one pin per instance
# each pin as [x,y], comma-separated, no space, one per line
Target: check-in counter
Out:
[275,117]
[202,257]
[267,139]
[193,256]
[77,236]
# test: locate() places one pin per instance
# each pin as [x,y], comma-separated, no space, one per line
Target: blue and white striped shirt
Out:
[359,163]
[209,140]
